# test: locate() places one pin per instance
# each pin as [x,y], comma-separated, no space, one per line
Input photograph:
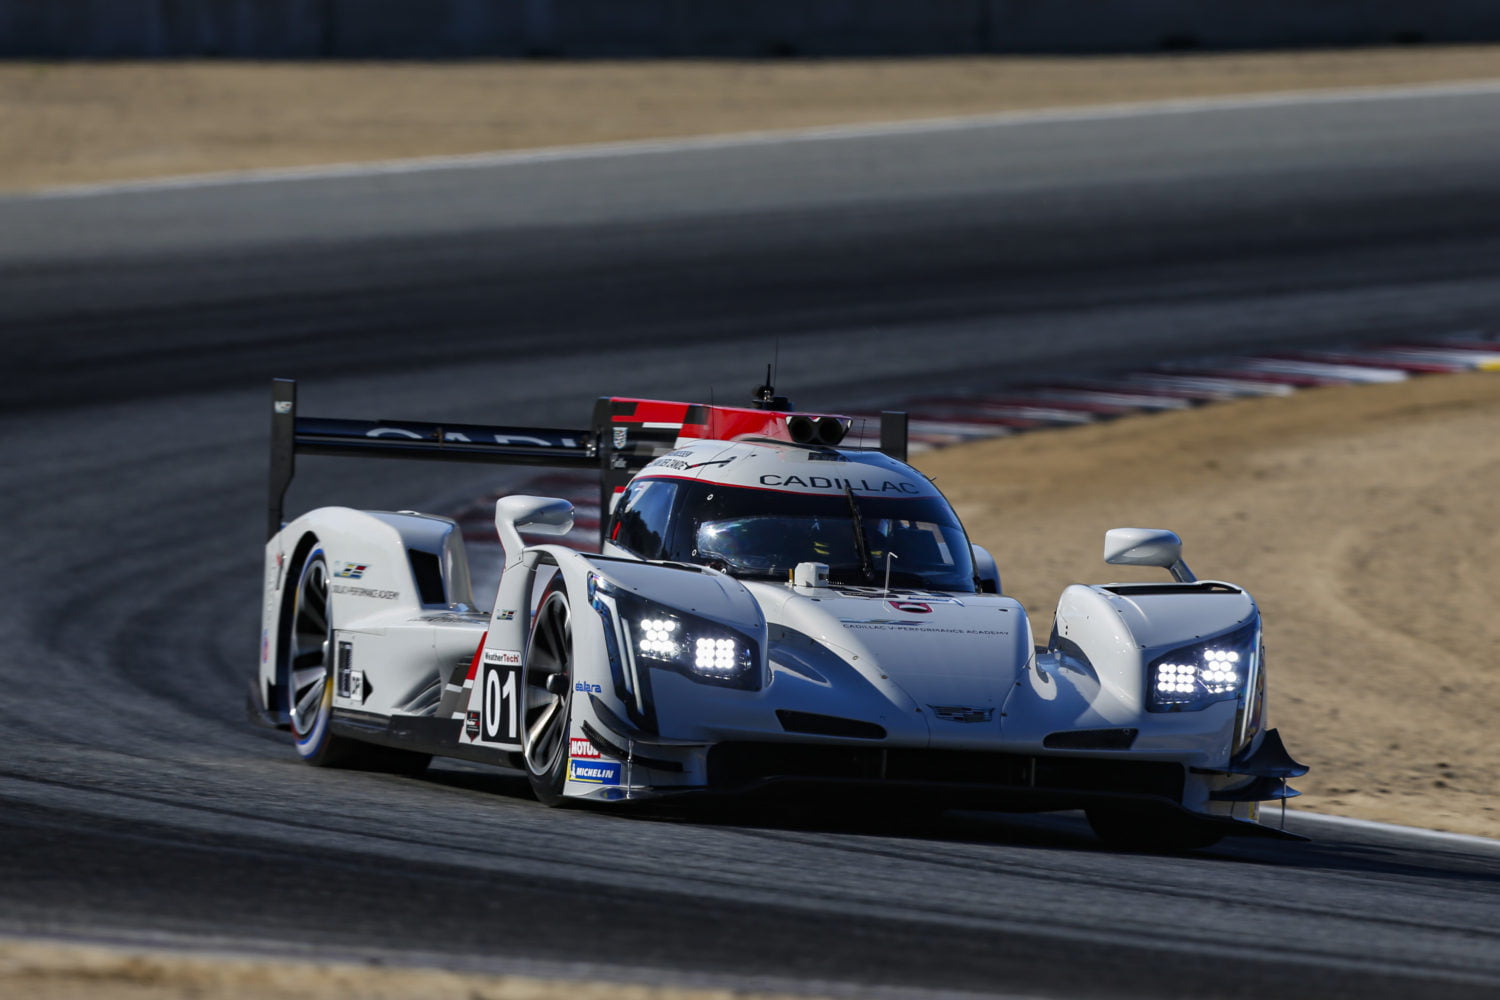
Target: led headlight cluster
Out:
[1197,676]
[671,639]
[702,650]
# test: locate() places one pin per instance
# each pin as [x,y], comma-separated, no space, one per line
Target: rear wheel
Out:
[549,696]
[310,658]
[1150,830]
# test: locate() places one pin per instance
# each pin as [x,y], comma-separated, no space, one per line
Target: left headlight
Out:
[1193,677]
[706,651]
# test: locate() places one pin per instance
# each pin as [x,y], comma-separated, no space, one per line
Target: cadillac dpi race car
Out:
[769,610]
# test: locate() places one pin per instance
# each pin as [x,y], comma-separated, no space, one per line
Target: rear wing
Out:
[623,437]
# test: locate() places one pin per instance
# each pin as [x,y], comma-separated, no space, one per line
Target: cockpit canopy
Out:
[764,533]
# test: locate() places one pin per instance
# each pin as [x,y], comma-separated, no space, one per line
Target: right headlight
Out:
[1193,677]
[706,651]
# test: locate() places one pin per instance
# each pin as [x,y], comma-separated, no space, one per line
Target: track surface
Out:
[139,329]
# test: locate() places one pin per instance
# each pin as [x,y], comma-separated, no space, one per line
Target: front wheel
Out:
[549,696]
[310,654]
[1125,829]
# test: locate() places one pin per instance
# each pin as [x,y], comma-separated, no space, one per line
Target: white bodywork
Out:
[898,676]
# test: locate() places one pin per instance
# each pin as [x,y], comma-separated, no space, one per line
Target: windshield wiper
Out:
[859,536]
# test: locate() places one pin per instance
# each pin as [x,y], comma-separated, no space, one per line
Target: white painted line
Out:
[1407,361]
[1319,369]
[1409,832]
[770,137]
[1107,398]
[1225,387]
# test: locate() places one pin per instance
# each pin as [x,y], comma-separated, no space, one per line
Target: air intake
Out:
[828,725]
[1091,739]
[428,573]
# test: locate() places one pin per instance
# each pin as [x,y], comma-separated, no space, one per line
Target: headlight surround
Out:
[1191,678]
[706,651]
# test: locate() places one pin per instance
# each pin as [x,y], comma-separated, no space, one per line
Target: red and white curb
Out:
[940,421]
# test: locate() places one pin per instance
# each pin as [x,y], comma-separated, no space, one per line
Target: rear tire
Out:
[308,649]
[1125,829]
[548,693]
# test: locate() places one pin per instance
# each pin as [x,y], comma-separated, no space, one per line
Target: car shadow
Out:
[487,780]
[1351,853]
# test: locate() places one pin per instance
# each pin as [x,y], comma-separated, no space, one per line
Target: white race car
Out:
[770,611]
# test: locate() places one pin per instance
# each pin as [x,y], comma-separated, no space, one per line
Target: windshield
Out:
[765,533]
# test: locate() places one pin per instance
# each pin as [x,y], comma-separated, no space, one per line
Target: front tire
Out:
[548,692]
[1125,829]
[308,641]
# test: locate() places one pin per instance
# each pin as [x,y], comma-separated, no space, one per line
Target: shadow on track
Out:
[1065,831]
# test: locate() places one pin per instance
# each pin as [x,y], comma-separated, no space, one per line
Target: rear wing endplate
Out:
[624,436]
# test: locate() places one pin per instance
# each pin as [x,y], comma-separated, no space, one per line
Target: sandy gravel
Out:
[68,123]
[1362,518]
[39,970]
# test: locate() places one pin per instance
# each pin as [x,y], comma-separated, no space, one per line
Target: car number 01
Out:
[501,715]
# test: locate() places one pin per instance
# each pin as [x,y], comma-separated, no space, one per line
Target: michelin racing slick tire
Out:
[308,649]
[1150,830]
[548,687]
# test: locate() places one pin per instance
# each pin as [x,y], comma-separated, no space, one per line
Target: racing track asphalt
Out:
[138,329]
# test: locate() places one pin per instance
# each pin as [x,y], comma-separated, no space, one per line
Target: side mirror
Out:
[542,515]
[986,571]
[1147,547]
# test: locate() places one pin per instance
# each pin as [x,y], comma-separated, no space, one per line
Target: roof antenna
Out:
[764,397]
[889,555]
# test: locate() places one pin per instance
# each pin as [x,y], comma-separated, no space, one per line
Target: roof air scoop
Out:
[816,430]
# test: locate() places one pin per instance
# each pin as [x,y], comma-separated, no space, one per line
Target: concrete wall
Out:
[590,28]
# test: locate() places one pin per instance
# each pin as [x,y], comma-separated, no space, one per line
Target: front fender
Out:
[613,687]
[1093,675]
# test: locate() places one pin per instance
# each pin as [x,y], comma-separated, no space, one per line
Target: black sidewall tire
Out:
[329,750]
[334,750]
[547,786]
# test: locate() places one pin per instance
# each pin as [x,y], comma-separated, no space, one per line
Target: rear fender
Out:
[383,566]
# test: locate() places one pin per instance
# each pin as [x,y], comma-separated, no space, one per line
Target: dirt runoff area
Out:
[39,970]
[79,122]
